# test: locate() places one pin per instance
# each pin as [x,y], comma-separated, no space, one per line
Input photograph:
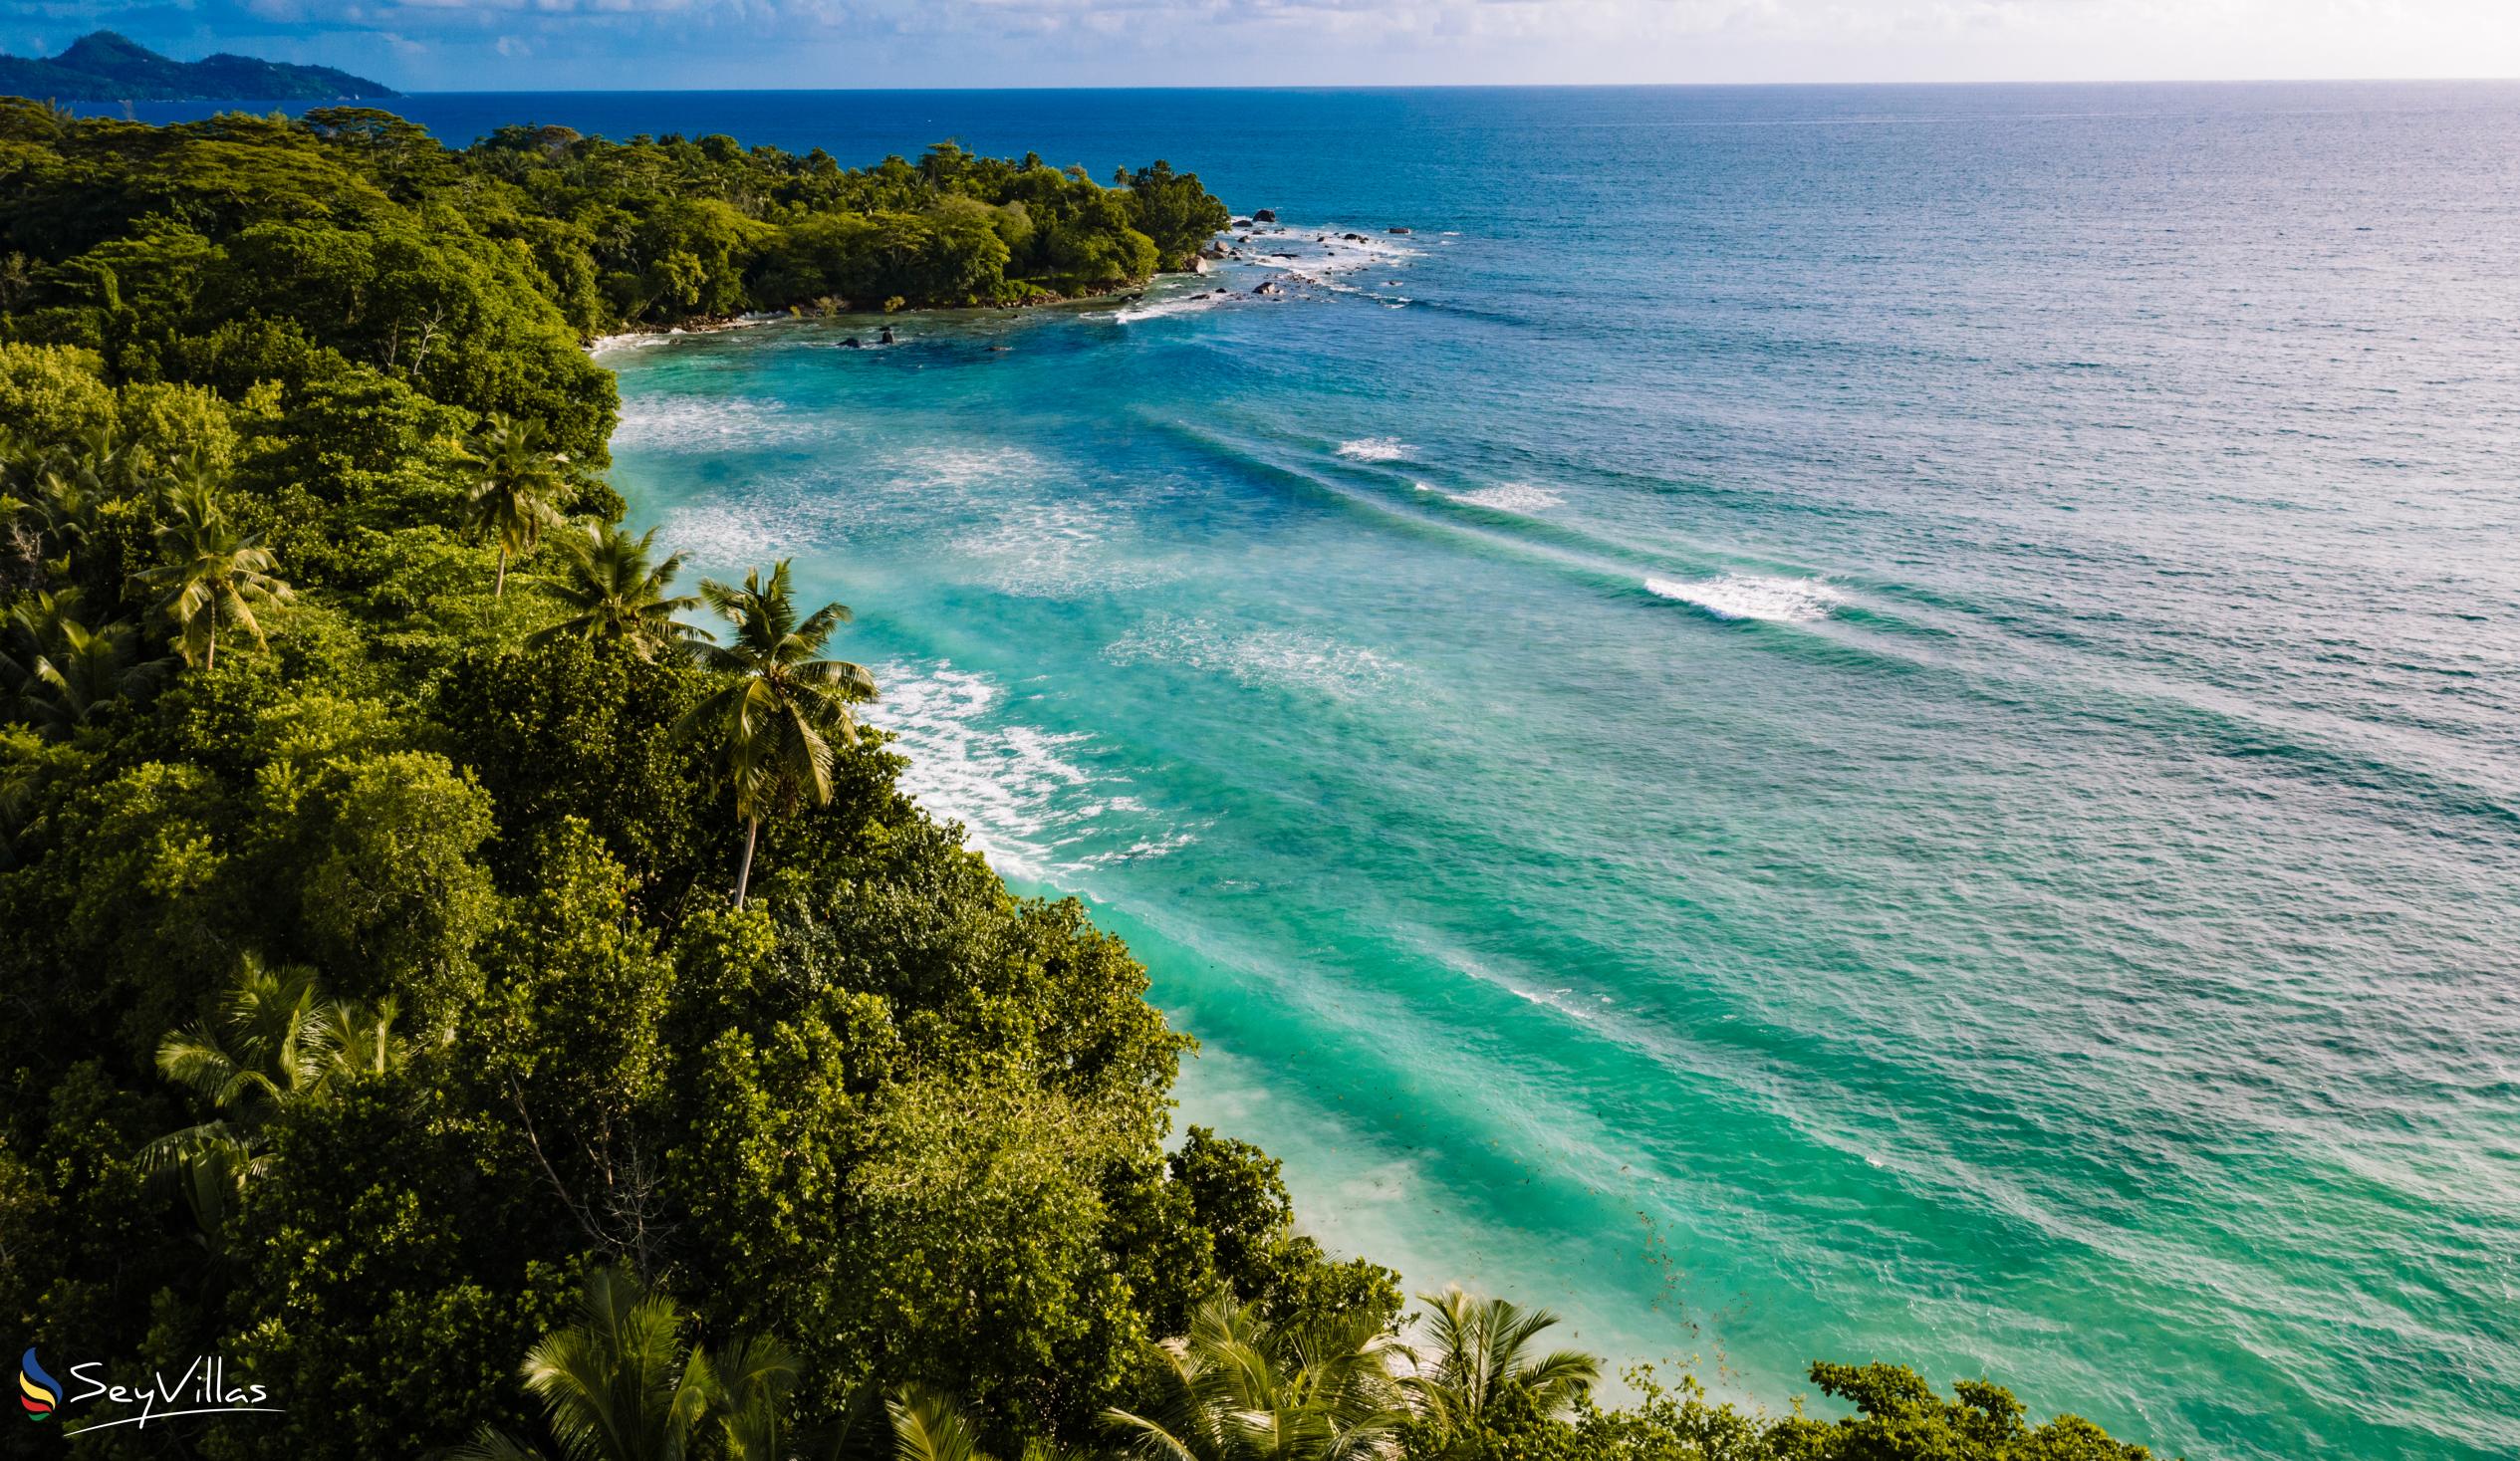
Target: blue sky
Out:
[539,44]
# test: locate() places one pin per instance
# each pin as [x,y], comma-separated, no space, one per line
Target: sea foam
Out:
[1026,797]
[1375,449]
[1283,659]
[1057,550]
[1737,597]
[699,423]
[1514,497]
[1176,304]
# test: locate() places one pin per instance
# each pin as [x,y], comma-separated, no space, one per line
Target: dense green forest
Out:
[502,1020]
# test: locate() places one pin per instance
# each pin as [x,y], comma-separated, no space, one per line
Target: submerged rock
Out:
[1268,286]
[1264,216]
[1395,229]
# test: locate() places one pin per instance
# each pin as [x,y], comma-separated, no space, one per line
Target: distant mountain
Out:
[104,66]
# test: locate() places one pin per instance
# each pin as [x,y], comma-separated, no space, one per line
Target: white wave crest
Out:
[1285,660]
[1375,449]
[1736,595]
[1517,497]
[1324,249]
[1026,797]
[1178,304]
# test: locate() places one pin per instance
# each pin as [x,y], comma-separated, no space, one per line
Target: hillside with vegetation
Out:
[105,67]
[499,1016]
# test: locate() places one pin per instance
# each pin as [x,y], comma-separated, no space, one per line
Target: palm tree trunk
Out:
[501,590]
[211,660]
[743,879]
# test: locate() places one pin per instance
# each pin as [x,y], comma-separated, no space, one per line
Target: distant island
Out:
[104,66]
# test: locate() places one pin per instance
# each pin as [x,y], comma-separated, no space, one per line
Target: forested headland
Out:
[497,1017]
[104,66]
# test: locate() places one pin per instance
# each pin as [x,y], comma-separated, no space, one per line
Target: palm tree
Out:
[512,495]
[213,574]
[754,1377]
[1237,1389]
[61,673]
[50,502]
[276,1043]
[28,633]
[624,1384]
[1478,1352]
[781,708]
[930,1425]
[916,1423]
[615,591]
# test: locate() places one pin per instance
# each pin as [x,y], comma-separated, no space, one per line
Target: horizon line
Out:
[1532,86]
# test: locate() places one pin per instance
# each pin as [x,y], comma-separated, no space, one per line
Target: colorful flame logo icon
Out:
[37,1391]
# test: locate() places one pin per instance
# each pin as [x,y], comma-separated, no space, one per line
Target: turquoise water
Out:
[1852,723]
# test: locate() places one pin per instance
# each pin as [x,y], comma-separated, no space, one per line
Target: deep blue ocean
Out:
[1832,722]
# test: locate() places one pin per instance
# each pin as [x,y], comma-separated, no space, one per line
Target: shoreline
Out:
[722,324]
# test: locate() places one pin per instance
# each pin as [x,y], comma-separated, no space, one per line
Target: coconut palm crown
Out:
[781,707]
[614,589]
[213,574]
[514,489]
[1476,1352]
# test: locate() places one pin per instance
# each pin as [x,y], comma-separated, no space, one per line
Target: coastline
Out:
[722,324]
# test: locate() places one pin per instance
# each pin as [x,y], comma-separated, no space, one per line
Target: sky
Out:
[485,44]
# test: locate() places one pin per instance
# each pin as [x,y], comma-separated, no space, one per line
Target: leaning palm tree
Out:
[782,707]
[615,591]
[513,488]
[1237,1389]
[213,574]
[1480,1351]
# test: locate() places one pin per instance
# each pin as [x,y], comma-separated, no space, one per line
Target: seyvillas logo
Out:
[39,1392]
[201,1389]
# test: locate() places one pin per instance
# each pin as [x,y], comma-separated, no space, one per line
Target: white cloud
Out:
[530,43]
